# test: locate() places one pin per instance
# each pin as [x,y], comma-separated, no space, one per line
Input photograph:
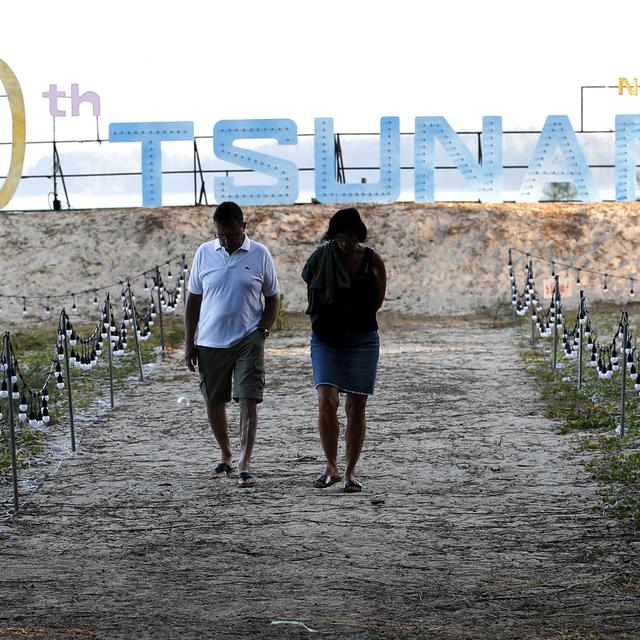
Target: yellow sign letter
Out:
[19,133]
[623,84]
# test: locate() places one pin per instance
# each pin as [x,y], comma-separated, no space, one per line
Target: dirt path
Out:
[477,521]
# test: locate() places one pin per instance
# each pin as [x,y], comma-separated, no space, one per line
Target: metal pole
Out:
[195,188]
[625,334]
[160,310]
[63,317]
[533,331]
[135,330]
[108,308]
[56,202]
[555,322]
[184,283]
[581,315]
[12,423]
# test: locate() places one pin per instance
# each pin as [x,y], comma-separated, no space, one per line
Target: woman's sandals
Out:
[246,480]
[325,480]
[352,486]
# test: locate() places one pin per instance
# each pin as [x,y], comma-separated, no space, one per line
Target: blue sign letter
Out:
[387,189]
[486,178]
[558,139]
[285,131]
[151,134]
[627,134]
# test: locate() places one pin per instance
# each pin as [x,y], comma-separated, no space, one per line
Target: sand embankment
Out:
[441,258]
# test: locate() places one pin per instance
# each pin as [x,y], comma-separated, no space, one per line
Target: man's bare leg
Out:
[248,428]
[217,416]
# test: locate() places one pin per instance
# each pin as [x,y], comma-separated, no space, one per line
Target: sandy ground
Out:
[441,258]
[476,522]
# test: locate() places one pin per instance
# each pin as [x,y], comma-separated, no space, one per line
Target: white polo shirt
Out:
[232,287]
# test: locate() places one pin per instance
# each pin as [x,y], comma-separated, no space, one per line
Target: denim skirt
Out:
[351,368]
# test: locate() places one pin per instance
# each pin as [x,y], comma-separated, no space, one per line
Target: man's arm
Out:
[270,313]
[191,317]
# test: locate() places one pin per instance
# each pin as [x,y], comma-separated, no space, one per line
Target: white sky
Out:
[352,60]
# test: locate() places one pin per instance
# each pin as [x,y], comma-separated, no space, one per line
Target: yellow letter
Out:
[623,84]
[19,138]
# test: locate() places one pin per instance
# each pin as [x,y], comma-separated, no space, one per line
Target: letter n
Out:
[623,84]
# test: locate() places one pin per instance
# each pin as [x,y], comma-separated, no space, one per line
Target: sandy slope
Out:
[441,258]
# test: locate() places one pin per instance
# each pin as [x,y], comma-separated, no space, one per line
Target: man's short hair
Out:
[228,212]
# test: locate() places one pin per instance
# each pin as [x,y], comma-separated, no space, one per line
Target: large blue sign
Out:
[557,157]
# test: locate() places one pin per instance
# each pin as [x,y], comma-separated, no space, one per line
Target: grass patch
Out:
[619,475]
[35,349]
[594,413]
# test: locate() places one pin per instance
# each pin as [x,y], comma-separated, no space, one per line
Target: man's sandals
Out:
[222,470]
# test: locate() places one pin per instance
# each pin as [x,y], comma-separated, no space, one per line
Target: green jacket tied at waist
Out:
[324,272]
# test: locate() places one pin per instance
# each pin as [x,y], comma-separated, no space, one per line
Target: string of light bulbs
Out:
[604,356]
[606,277]
[152,274]
[84,351]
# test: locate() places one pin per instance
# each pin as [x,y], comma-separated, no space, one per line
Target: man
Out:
[229,277]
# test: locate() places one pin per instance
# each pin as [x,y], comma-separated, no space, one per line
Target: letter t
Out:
[53,94]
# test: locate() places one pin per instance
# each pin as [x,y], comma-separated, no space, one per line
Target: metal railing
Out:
[199,170]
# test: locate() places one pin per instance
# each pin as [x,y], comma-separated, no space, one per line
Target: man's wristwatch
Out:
[265,332]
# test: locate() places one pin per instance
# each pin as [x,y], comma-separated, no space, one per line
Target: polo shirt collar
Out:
[245,246]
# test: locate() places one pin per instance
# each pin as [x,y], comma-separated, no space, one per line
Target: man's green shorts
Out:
[243,362]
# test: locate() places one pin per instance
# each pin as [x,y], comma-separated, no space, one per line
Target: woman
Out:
[346,284]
